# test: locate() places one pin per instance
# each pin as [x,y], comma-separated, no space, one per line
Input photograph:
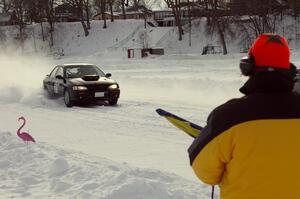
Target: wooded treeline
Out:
[261,15]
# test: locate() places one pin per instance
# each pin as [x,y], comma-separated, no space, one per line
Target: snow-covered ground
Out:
[97,151]
[121,152]
[44,171]
[126,151]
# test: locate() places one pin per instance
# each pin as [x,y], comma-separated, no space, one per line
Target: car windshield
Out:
[82,70]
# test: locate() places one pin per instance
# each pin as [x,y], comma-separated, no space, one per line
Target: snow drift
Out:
[43,171]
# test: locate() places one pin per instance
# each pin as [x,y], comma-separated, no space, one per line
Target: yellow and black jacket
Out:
[251,145]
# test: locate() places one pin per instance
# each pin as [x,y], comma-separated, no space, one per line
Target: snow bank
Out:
[43,171]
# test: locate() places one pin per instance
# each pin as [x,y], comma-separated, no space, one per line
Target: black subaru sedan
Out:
[81,83]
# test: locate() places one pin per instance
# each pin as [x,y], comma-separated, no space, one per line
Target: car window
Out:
[82,70]
[89,70]
[60,71]
[52,74]
[72,72]
[99,71]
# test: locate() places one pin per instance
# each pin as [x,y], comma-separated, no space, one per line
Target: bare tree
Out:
[262,15]
[217,21]
[206,4]
[176,8]
[110,3]
[87,11]
[190,22]
[47,8]
[32,11]
[79,6]
[97,5]
[101,6]
[18,9]
[5,5]
[169,3]
[123,8]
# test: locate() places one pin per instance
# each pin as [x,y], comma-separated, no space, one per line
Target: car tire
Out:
[67,99]
[113,101]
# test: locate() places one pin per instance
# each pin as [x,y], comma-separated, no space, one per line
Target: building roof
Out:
[108,13]
[164,10]
[140,8]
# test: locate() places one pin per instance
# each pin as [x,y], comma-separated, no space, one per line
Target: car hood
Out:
[101,80]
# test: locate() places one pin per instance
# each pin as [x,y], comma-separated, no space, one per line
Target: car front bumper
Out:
[87,95]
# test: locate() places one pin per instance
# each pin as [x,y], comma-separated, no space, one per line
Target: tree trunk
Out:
[87,10]
[190,23]
[208,20]
[51,31]
[49,12]
[85,28]
[42,30]
[174,13]
[18,9]
[136,8]
[176,21]
[51,39]
[222,37]
[103,5]
[111,10]
[177,14]
[123,9]
[104,22]
[256,24]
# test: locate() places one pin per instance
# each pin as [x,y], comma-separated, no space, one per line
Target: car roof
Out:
[77,64]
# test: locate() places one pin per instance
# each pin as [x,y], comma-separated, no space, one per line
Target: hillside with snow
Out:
[120,35]
[69,38]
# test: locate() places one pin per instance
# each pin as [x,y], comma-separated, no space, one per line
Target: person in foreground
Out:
[250,146]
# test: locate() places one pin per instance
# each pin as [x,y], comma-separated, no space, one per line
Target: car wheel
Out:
[113,101]
[67,99]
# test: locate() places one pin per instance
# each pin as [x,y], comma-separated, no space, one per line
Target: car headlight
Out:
[79,88]
[113,86]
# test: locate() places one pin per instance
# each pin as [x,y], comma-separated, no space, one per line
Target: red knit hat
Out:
[270,50]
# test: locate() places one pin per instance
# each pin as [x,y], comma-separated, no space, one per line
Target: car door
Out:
[50,80]
[58,86]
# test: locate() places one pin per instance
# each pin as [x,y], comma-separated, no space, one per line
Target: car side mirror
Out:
[108,75]
[47,75]
[61,77]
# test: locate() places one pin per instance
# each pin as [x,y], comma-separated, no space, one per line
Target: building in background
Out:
[66,13]
[164,17]
[8,19]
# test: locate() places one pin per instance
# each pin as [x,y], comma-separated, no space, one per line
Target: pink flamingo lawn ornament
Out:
[24,135]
